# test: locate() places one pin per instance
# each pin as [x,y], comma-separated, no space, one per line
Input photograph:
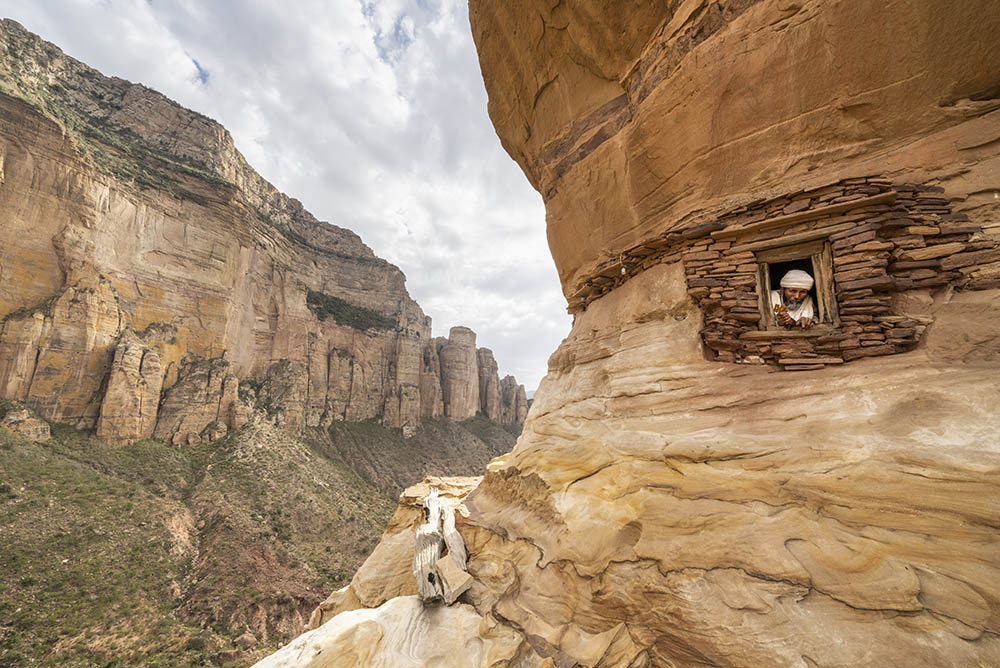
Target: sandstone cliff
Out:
[146,270]
[665,506]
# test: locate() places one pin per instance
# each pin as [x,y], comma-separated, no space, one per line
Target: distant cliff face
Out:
[146,270]
[675,499]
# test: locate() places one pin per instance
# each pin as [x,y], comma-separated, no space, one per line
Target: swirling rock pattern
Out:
[662,509]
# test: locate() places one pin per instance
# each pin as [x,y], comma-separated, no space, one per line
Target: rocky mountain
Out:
[153,285]
[697,485]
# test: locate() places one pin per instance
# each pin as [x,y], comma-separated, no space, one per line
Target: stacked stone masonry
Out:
[882,238]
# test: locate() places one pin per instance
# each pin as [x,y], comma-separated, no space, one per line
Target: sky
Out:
[373,114]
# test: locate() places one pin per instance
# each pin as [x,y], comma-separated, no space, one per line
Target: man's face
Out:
[793,296]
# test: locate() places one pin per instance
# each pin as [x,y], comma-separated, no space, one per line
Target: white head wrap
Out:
[796,278]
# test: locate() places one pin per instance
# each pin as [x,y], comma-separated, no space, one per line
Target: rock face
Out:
[489,384]
[459,373]
[26,425]
[137,241]
[665,506]
[201,404]
[130,406]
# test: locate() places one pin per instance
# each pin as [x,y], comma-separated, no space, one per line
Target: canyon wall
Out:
[693,486]
[151,283]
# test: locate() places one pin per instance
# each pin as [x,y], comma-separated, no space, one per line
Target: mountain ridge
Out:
[142,250]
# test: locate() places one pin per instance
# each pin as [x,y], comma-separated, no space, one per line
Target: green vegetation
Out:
[114,148]
[159,556]
[45,308]
[326,306]
[439,447]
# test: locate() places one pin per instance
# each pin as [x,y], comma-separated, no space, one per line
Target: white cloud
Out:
[373,114]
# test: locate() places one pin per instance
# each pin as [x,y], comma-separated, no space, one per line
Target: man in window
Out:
[793,307]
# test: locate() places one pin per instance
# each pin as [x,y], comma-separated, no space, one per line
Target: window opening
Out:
[813,258]
[778,270]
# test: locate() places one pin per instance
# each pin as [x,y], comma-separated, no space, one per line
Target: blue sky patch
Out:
[202,72]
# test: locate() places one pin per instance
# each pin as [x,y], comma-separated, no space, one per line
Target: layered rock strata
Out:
[141,256]
[666,508]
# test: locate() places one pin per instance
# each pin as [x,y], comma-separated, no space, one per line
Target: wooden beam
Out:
[802,216]
[814,331]
[808,235]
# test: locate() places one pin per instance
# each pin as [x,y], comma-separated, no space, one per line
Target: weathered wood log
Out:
[452,539]
[427,549]
[438,578]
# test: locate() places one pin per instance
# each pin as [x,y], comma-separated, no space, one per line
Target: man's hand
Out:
[784,319]
[805,323]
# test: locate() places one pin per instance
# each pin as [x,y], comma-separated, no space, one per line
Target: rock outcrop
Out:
[22,422]
[489,384]
[664,505]
[202,405]
[142,254]
[131,401]
[459,373]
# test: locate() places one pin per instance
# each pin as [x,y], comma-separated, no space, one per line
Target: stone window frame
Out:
[821,256]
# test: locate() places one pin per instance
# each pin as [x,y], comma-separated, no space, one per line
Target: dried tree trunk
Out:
[439,577]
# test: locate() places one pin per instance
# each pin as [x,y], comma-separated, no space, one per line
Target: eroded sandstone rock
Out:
[26,425]
[388,571]
[513,401]
[404,632]
[459,373]
[664,509]
[72,356]
[131,401]
[489,385]
[206,393]
[122,211]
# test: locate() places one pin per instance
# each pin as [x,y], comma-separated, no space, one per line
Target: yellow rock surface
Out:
[661,509]
[403,633]
[634,122]
[125,217]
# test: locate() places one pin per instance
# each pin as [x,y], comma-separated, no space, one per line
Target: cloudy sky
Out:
[373,114]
